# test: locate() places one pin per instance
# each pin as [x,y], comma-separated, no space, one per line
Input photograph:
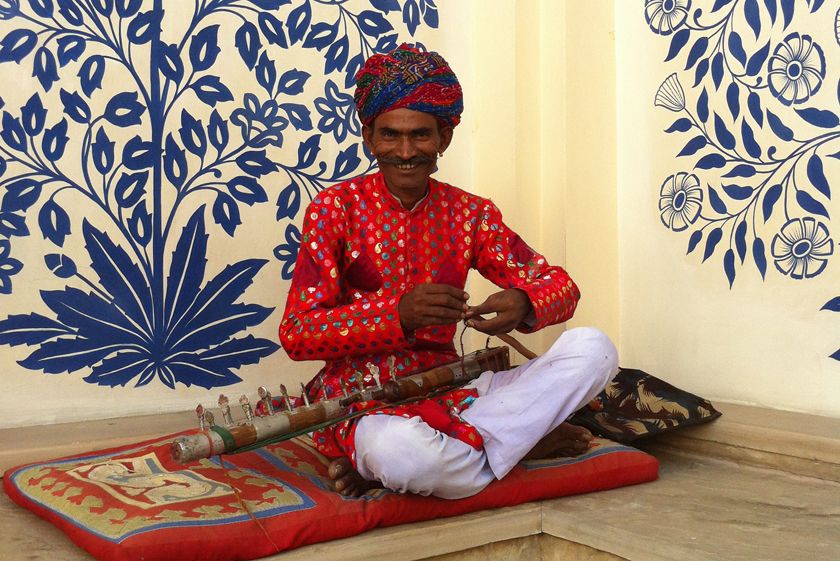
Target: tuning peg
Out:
[265,397]
[344,388]
[374,373]
[303,393]
[209,419]
[199,412]
[359,381]
[224,405]
[246,408]
[286,397]
[392,362]
[323,385]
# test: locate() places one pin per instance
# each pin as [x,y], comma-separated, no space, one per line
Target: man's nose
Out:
[405,148]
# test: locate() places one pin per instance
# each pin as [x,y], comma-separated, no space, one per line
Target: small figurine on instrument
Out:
[379,281]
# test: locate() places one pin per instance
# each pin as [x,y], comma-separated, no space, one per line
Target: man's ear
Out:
[367,136]
[445,138]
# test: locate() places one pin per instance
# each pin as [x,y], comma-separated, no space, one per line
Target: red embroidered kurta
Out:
[361,251]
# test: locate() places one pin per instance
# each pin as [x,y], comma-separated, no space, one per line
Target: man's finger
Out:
[445,301]
[433,288]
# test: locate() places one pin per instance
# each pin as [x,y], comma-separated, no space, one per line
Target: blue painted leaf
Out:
[682,125]
[236,352]
[71,12]
[45,69]
[760,256]
[430,13]
[726,138]
[347,161]
[287,253]
[695,238]
[204,48]
[711,242]
[701,71]
[353,66]
[736,47]
[272,29]
[54,222]
[70,48]
[192,134]
[703,106]
[817,176]
[210,90]
[75,107]
[373,23]
[121,368]
[386,43]
[188,370]
[226,213]
[710,161]
[13,133]
[130,188]
[43,8]
[298,115]
[336,56]
[31,329]
[716,202]
[60,265]
[54,141]
[174,162]
[741,170]
[720,4]
[91,73]
[127,8]
[66,355]
[119,276]
[836,155]
[138,153]
[247,190]
[321,35]
[819,117]
[298,22]
[255,163]
[17,44]
[835,355]
[248,43]
[729,266]
[771,10]
[748,138]
[810,204]
[21,194]
[386,6]
[170,63]
[787,10]
[717,69]
[33,116]
[140,225]
[3,166]
[753,17]
[266,73]
[693,146]
[217,131]
[733,100]
[757,60]
[741,240]
[144,26]
[770,198]
[832,305]
[308,151]
[697,50]
[12,225]
[288,203]
[738,192]
[816,5]
[779,128]
[292,82]
[754,104]
[102,152]
[187,270]
[270,4]
[411,15]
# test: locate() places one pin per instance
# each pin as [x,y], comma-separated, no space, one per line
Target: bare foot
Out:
[565,440]
[347,480]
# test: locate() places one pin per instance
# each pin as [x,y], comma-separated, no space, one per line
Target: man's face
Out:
[406,144]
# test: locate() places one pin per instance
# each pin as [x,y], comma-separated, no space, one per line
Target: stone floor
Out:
[701,508]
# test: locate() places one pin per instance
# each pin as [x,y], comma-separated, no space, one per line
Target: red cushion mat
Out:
[135,502]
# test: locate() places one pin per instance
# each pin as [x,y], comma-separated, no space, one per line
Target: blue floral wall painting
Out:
[147,130]
[757,101]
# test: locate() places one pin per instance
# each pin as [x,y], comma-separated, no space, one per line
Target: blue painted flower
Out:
[796,69]
[802,248]
[670,94]
[9,9]
[665,16]
[287,253]
[338,113]
[680,201]
[8,267]
[263,119]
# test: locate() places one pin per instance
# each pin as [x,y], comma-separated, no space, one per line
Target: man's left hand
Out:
[511,307]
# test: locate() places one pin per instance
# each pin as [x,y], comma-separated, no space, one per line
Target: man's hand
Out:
[432,304]
[511,307]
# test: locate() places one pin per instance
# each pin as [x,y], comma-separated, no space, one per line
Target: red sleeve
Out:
[506,260]
[321,322]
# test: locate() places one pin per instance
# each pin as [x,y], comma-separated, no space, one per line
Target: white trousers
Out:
[514,410]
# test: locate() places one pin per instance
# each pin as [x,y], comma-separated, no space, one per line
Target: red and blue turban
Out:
[411,79]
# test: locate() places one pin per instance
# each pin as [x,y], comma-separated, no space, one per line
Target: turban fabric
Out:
[411,79]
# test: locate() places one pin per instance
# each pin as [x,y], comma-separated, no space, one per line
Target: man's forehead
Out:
[405,120]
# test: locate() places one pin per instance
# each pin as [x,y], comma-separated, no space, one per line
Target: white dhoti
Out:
[514,410]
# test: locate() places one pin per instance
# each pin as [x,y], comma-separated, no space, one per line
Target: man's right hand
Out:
[432,304]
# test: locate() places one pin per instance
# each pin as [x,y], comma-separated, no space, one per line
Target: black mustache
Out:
[415,161]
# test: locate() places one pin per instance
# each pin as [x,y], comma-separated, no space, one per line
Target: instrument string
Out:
[244,506]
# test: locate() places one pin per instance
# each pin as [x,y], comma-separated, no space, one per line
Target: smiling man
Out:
[379,287]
